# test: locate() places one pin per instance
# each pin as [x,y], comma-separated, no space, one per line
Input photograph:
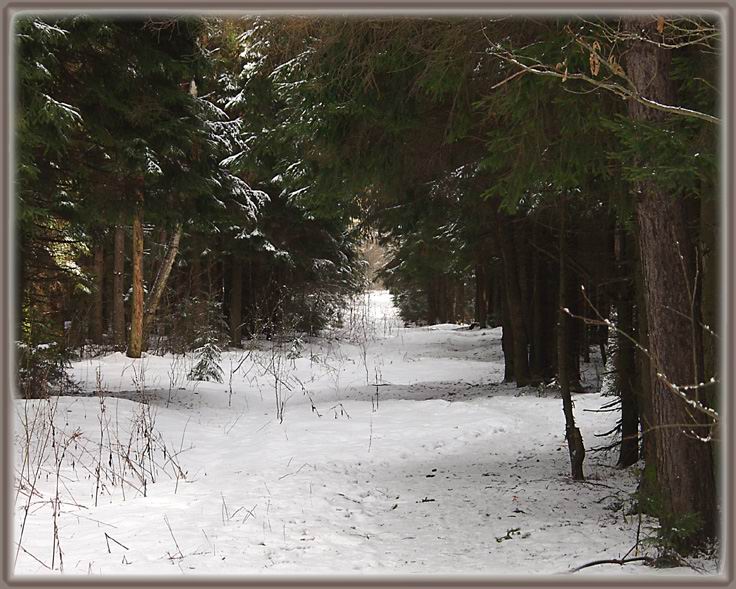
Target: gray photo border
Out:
[725,9]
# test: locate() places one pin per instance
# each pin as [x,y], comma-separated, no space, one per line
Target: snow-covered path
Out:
[399,452]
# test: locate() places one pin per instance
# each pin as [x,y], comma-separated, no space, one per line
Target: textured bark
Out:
[98,313]
[135,342]
[154,297]
[684,465]
[573,436]
[645,380]
[118,299]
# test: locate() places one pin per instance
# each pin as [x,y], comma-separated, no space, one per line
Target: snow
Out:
[400,452]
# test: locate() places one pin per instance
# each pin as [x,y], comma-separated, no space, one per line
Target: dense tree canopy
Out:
[521,173]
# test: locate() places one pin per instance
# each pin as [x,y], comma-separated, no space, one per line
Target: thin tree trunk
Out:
[684,464]
[118,289]
[196,276]
[135,343]
[709,303]
[496,293]
[625,381]
[98,314]
[459,301]
[236,302]
[573,436]
[154,297]
[480,296]
[625,358]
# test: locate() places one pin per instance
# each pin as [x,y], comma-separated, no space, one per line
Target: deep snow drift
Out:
[399,452]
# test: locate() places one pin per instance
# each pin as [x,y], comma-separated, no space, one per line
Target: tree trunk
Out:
[625,357]
[514,301]
[507,343]
[196,275]
[98,313]
[684,464]
[154,297]
[118,289]
[537,359]
[573,436]
[236,302]
[135,343]
[480,295]
[459,301]
[709,303]
[625,381]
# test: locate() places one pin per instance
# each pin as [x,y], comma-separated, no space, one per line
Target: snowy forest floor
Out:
[400,452]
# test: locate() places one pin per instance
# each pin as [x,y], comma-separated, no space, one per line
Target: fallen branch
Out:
[619,561]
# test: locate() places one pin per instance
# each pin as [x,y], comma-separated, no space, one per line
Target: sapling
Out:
[208,350]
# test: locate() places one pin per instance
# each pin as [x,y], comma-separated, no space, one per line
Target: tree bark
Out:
[118,299]
[459,301]
[135,343]
[625,357]
[625,381]
[684,464]
[98,314]
[536,352]
[480,295]
[236,302]
[514,301]
[507,343]
[573,436]
[154,297]
[196,270]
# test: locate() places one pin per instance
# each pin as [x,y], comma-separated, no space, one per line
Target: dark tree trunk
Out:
[573,436]
[507,344]
[236,302]
[626,384]
[645,380]
[684,464]
[135,344]
[709,230]
[459,301]
[514,301]
[98,312]
[118,289]
[481,305]
[537,323]
[520,236]
[196,270]
[625,359]
[432,302]
[497,292]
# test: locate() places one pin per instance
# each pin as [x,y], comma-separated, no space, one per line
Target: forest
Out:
[218,195]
